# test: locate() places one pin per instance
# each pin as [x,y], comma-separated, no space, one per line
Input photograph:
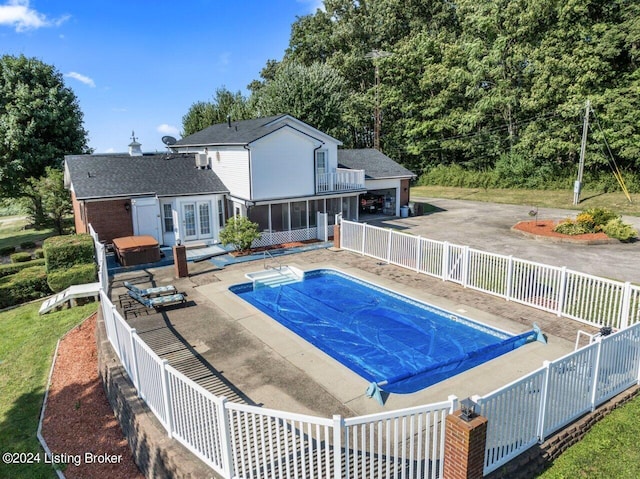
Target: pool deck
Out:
[232,349]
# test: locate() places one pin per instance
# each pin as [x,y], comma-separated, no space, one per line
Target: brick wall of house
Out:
[110,219]
[78,215]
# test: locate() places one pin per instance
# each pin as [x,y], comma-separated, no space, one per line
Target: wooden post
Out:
[336,235]
[464,447]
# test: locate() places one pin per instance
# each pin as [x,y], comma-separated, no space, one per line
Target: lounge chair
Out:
[156,303]
[157,291]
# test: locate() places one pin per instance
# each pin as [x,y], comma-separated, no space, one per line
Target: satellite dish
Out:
[169,140]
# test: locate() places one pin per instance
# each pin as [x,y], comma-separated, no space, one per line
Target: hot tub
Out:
[132,250]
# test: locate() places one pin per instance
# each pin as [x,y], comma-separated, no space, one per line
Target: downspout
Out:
[246,147]
[315,169]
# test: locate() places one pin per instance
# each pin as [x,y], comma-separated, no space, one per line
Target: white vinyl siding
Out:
[282,165]
[231,164]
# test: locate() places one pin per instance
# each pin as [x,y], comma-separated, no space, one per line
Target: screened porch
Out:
[288,221]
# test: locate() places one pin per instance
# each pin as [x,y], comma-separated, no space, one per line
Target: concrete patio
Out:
[232,349]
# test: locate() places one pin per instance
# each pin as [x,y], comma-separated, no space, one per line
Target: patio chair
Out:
[157,291]
[155,303]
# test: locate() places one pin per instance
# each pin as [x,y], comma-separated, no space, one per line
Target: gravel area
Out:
[79,425]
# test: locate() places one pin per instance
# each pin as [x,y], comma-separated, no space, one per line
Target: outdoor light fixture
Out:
[468,408]
[127,207]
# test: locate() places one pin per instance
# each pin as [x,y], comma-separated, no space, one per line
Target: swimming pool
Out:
[399,343]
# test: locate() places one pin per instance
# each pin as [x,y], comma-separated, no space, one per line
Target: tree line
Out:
[495,85]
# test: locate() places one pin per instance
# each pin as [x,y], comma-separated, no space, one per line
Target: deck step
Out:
[72,292]
[273,278]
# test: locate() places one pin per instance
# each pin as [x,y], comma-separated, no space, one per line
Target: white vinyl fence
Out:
[530,409]
[241,441]
[579,296]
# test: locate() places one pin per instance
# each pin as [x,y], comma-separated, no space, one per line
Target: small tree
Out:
[240,232]
[47,201]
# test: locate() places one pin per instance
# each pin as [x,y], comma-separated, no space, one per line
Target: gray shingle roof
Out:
[375,164]
[240,133]
[104,176]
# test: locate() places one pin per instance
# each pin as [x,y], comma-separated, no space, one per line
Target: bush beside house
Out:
[69,260]
[240,232]
[27,284]
[65,251]
[61,279]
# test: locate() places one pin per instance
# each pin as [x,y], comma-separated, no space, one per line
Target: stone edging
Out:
[563,239]
[43,409]
[533,461]
[154,452]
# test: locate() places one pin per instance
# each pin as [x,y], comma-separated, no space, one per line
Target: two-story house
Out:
[281,173]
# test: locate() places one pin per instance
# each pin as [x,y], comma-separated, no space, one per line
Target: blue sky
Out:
[140,64]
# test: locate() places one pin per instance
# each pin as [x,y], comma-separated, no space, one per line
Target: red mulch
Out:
[545,228]
[78,418]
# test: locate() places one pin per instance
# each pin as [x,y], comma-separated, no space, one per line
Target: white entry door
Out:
[146,217]
[196,220]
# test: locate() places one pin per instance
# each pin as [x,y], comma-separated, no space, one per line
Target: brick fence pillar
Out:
[180,261]
[464,447]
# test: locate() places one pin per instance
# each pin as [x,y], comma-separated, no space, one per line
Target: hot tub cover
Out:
[134,243]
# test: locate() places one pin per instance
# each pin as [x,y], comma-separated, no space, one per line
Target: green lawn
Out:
[12,232]
[616,202]
[27,344]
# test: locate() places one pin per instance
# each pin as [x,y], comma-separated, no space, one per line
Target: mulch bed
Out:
[78,418]
[544,229]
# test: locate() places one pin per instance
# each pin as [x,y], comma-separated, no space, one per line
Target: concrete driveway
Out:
[487,226]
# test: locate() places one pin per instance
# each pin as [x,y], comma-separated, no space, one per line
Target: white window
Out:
[167,217]
[321,162]
[205,218]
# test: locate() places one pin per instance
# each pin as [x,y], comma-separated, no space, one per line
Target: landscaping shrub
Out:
[239,231]
[594,220]
[27,245]
[39,253]
[586,222]
[63,252]
[13,268]
[61,279]
[571,227]
[615,228]
[25,285]
[21,257]
[7,250]
[601,216]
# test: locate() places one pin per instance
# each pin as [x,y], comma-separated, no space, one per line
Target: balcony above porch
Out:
[342,179]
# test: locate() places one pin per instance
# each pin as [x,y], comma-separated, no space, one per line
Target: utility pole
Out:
[377,125]
[577,186]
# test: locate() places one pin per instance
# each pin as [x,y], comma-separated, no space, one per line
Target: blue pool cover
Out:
[400,344]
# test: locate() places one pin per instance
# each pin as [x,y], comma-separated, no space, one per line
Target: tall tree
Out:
[314,94]
[40,122]
[225,103]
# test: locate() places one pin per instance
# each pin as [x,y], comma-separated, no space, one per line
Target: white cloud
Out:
[81,78]
[110,150]
[166,129]
[18,14]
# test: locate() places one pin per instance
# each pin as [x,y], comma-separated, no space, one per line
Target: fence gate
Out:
[323,226]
